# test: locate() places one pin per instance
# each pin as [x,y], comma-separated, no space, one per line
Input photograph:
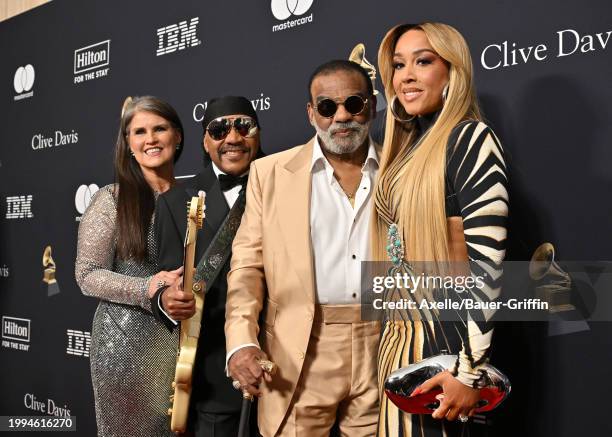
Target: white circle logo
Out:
[83,197]
[283,9]
[24,79]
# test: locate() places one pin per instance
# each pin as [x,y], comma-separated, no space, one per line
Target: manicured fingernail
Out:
[416,391]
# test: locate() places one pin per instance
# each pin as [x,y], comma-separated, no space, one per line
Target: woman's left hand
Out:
[457,399]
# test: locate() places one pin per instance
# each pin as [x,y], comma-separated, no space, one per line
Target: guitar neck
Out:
[189,257]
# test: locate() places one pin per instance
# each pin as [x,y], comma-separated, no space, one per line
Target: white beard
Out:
[344,145]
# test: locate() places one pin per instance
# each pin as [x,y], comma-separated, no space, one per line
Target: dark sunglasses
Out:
[353,104]
[220,127]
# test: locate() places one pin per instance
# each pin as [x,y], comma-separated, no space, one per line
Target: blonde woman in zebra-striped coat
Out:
[442,188]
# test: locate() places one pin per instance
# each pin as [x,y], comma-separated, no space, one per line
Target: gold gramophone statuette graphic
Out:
[49,273]
[358,56]
[553,284]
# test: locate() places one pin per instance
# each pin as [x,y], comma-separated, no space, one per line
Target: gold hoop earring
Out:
[395,114]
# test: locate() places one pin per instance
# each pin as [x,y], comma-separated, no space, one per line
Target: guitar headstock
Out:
[195,216]
[195,210]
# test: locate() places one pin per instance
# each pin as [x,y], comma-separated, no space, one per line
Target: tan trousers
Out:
[339,378]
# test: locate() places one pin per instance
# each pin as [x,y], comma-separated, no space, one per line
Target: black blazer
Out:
[212,390]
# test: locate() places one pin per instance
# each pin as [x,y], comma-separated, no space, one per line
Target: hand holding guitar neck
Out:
[178,304]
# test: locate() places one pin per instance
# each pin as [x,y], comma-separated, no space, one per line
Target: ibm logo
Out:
[79,343]
[177,37]
[19,207]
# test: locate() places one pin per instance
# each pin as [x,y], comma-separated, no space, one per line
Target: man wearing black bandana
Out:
[231,141]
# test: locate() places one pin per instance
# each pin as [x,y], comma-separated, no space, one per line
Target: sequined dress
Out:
[476,191]
[132,355]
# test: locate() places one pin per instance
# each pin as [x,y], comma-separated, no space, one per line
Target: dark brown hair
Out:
[135,198]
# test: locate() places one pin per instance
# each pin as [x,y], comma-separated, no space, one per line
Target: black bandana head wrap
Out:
[228,105]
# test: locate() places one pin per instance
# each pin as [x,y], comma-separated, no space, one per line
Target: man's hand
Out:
[176,303]
[457,398]
[244,367]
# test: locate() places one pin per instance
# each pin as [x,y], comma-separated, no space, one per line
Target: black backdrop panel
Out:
[551,110]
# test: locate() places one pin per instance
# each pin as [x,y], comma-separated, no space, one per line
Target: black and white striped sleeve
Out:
[477,171]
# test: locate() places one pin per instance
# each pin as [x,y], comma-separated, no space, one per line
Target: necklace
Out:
[351,196]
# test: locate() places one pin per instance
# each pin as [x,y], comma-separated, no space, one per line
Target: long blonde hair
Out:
[421,208]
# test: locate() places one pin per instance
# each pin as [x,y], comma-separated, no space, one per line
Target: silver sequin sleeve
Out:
[95,262]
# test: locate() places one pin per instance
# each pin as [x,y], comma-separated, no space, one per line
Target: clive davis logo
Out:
[261,103]
[19,207]
[23,82]
[89,61]
[283,9]
[178,36]
[47,407]
[15,333]
[79,343]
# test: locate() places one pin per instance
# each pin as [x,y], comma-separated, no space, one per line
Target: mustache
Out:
[233,148]
[349,125]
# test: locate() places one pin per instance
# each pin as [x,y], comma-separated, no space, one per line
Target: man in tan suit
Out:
[296,260]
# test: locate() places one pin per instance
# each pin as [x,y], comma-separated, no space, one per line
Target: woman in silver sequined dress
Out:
[132,355]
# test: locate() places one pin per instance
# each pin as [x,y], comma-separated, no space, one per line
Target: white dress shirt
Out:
[230,195]
[339,232]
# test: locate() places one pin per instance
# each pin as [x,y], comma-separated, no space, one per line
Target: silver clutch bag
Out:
[494,386]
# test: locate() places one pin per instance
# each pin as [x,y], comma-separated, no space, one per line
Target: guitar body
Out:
[190,328]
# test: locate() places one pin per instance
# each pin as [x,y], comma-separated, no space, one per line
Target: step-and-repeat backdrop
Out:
[543,74]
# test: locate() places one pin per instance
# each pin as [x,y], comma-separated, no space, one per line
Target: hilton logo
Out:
[19,207]
[15,333]
[79,343]
[177,37]
[92,57]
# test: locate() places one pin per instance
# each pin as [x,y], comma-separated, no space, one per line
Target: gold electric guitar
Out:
[190,328]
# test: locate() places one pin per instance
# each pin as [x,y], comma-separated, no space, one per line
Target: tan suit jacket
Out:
[272,272]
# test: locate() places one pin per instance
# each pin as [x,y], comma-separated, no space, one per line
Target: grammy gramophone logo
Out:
[358,56]
[49,273]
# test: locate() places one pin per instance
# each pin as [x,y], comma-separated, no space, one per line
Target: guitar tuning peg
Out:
[172,398]
[169,411]
[173,384]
